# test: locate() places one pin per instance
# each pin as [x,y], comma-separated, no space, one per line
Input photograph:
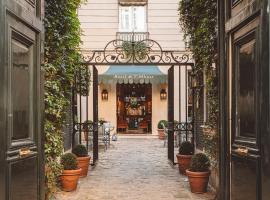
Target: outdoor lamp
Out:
[163,94]
[104,94]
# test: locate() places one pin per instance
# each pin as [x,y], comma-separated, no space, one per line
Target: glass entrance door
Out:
[134,108]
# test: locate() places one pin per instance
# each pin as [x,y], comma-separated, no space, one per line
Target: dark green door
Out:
[21,176]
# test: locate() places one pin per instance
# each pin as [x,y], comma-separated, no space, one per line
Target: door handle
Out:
[242,151]
[25,152]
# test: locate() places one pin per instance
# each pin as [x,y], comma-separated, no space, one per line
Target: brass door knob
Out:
[24,152]
[242,151]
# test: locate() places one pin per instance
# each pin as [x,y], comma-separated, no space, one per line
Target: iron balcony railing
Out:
[132,36]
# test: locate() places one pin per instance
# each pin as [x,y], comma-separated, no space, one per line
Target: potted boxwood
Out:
[83,159]
[161,134]
[198,173]
[85,128]
[71,172]
[186,150]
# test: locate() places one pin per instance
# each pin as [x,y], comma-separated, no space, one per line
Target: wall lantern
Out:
[163,94]
[104,94]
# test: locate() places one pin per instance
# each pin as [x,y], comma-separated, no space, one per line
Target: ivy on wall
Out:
[198,18]
[62,40]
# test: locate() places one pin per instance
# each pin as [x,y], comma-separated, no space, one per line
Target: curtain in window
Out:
[132,19]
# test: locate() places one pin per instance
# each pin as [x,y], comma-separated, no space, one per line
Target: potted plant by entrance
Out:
[186,150]
[71,173]
[198,173]
[161,124]
[83,159]
[86,128]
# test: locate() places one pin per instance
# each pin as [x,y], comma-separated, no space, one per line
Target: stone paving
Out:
[134,169]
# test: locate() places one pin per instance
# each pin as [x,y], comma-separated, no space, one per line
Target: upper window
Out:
[132,19]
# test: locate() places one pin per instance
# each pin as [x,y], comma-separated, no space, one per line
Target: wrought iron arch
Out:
[142,52]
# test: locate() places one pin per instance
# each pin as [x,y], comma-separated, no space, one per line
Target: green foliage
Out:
[61,58]
[87,124]
[199,22]
[160,126]
[80,150]
[101,121]
[186,148]
[136,49]
[83,80]
[199,163]
[69,161]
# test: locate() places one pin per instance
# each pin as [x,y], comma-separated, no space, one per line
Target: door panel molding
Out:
[22,28]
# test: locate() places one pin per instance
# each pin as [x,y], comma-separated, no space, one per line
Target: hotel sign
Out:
[134,76]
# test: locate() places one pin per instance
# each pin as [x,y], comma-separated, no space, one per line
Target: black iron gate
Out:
[171,114]
[95,114]
[115,54]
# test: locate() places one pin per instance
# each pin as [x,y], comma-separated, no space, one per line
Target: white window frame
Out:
[131,10]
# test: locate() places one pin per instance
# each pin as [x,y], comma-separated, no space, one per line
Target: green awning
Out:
[133,74]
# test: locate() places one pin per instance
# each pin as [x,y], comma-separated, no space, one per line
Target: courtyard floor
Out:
[134,168]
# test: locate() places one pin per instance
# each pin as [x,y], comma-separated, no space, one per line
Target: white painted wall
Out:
[107,109]
[159,108]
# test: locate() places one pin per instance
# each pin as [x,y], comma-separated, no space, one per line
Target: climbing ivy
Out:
[198,19]
[61,58]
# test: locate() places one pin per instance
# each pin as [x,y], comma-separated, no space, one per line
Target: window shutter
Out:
[132,2]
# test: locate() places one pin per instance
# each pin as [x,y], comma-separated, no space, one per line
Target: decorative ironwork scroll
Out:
[136,52]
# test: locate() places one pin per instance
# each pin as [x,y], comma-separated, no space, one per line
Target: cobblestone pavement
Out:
[134,169]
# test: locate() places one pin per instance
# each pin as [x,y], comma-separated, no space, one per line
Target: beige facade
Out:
[100,25]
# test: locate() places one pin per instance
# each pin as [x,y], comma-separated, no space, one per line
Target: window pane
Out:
[139,19]
[125,19]
[20,89]
[246,93]
[132,18]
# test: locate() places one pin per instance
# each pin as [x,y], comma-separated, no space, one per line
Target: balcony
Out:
[132,36]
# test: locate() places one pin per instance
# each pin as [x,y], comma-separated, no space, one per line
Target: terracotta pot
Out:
[198,181]
[83,163]
[161,134]
[69,179]
[183,163]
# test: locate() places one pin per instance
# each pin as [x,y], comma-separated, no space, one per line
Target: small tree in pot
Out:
[161,125]
[186,150]
[86,128]
[71,173]
[83,158]
[198,174]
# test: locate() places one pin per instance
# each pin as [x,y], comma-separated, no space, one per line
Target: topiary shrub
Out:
[69,161]
[80,150]
[165,122]
[186,148]
[200,163]
[86,125]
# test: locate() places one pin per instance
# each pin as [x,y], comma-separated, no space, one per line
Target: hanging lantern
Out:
[163,94]
[104,94]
